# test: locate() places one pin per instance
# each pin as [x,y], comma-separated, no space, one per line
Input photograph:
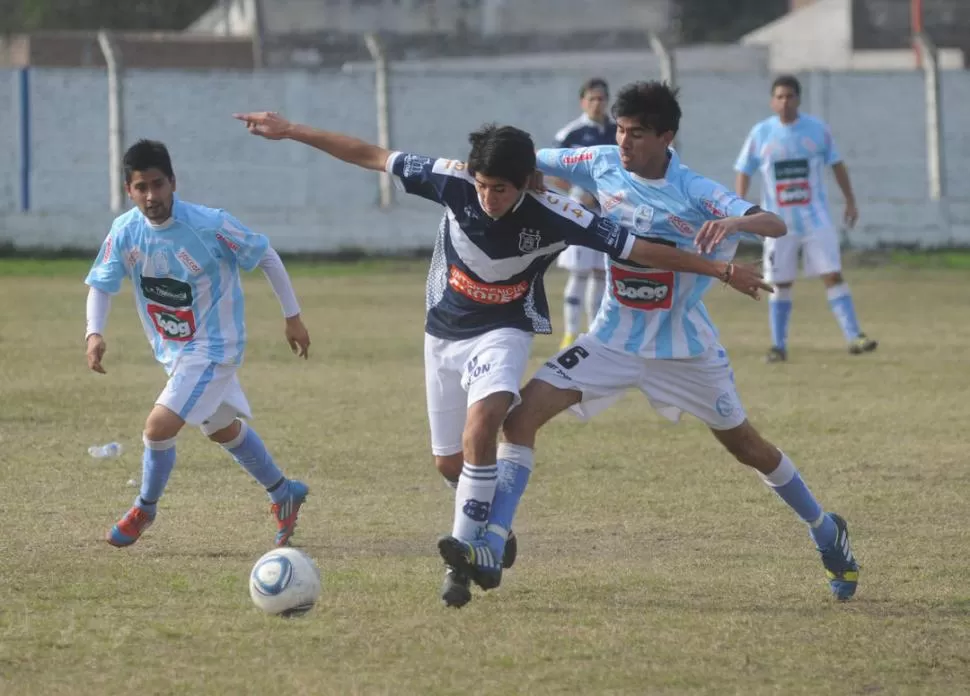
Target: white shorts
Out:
[702,386]
[820,255]
[196,389]
[458,374]
[578,259]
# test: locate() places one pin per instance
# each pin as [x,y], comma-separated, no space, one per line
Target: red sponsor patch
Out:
[188,261]
[681,225]
[793,193]
[108,243]
[647,290]
[576,159]
[711,207]
[610,202]
[485,293]
[228,242]
[172,324]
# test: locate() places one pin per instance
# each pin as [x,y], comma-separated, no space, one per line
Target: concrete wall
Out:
[311,203]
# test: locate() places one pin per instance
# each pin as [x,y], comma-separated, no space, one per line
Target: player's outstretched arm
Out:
[758,222]
[272,126]
[744,278]
[98,306]
[296,334]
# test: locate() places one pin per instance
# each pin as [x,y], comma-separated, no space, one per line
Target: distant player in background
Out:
[792,151]
[587,267]
[184,261]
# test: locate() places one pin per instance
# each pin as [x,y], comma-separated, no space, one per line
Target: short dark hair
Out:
[594,83]
[145,155]
[505,152]
[789,81]
[653,104]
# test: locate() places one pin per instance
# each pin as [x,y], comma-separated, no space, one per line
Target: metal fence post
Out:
[23,89]
[668,70]
[934,115]
[116,123]
[383,99]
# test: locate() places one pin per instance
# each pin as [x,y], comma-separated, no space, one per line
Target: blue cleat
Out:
[287,511]
[840,565]
[475,560]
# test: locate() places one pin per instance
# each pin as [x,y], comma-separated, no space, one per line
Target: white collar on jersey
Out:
[510,210]
[673,160]
[587,121]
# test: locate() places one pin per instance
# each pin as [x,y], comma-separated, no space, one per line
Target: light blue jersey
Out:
[649,312]
[792,159]
[186,280]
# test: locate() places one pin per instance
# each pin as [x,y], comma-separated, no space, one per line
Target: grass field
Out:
[650,562]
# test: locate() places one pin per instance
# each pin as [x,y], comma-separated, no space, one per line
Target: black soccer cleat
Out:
[511,551]
[455,590]
[475,559]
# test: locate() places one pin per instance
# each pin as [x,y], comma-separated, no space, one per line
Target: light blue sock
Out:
[779,310]
[249,451]
[514,468]
[156,466]
[786,482]
[840,300]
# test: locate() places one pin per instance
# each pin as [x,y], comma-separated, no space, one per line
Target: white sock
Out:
[594,295]
[473,500]
[573,303]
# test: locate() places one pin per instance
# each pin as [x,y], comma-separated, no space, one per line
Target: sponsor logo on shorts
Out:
[474,370]
[577,158]
[476,509]
[558,370]
[646,290]
[724,405]
[190,264]
[167,291]
[172,324]
[681,225]
[485,293]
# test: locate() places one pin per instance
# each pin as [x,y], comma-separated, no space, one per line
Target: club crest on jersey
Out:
[643,218]
[415,164]
[470,212]
[160,262]
[529,240]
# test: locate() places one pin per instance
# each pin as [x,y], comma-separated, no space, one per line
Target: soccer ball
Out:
[285,582]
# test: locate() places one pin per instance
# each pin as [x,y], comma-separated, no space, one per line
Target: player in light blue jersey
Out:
[652,332]
[184,261]
[792,152]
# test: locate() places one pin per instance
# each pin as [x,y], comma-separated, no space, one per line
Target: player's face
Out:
[496,195]
[785,103]
[153,193]
[594,104]
[642,151]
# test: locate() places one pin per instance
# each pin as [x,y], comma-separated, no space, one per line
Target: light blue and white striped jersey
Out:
[792,159]
[185,274]
[650,312]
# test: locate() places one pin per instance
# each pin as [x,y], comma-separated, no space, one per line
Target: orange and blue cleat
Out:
[130,527]
[288,510]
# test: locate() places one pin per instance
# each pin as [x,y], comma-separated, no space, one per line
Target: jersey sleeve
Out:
[829,151]
[714,200]
[245,245]
[575,165]
[748,161]
[422,176]
[580,227]
[108,269]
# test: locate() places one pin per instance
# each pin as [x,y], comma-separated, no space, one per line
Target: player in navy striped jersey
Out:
[485,294]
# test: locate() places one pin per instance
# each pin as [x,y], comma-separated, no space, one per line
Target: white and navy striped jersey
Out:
[185,274]
[485,273]
[651,312]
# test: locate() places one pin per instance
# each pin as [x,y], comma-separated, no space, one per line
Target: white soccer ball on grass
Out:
[285,582]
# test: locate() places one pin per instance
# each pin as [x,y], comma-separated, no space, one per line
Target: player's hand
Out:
[267,124]
[95,352]
[747,279]
[851,214]
[713,231]
[297,336]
